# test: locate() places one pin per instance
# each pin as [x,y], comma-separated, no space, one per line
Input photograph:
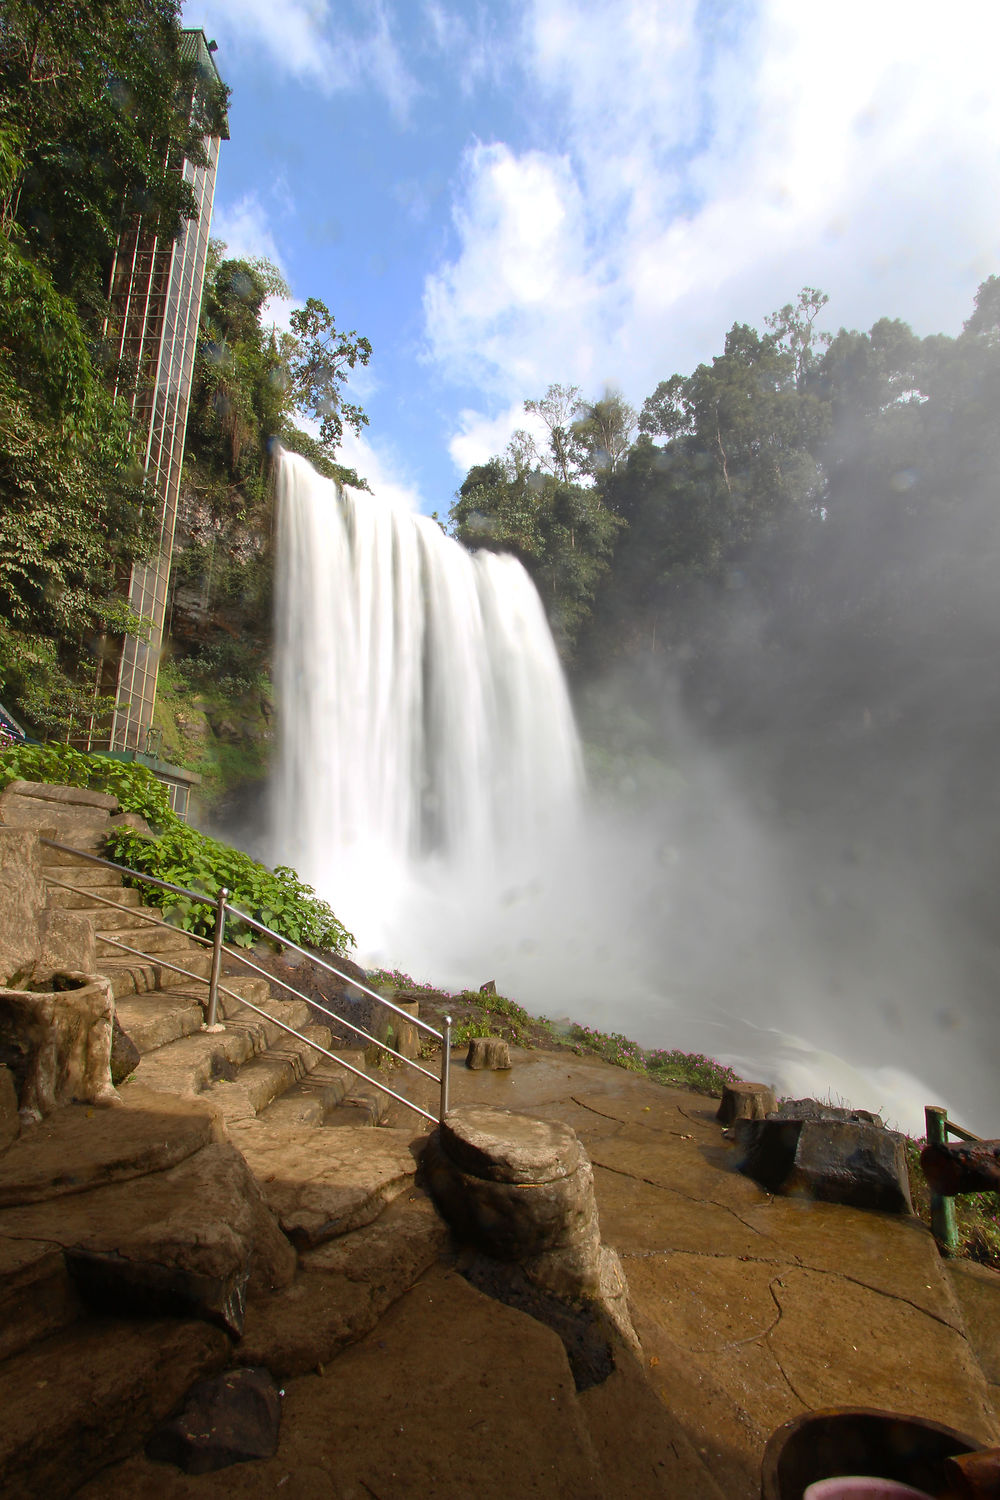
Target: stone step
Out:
[192,1063]
[343,1288]
[80,872]
[364,1103]
[79,1148]
[262,1079]
[37,1295]
[313,1100]
[77,1401]
[137,976]
[80,828]
[323,1183]
[77,900]
[121,918]
[158,1017]
[149,940]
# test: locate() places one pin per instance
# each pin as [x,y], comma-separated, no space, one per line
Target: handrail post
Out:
[943,1225]
[445,1066]
[213,1023]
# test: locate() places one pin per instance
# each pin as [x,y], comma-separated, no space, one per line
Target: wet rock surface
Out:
[752,1308]
[522,1191]
[190,1241]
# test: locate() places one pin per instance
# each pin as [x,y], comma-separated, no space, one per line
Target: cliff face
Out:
[215,707]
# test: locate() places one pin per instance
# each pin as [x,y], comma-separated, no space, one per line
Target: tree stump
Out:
[746,1101]
[488,1052]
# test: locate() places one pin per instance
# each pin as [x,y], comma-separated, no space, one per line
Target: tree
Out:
[71,518]
[562,531]
[95,113]
[318,359]
[557,409]
[604,432]
[792,328]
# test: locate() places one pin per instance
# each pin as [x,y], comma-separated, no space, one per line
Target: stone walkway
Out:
[750,1310]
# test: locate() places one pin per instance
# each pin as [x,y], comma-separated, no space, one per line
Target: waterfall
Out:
[425,730]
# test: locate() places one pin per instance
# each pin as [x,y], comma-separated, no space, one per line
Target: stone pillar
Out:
[522,1190]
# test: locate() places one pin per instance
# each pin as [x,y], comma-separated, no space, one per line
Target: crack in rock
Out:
[689,1198]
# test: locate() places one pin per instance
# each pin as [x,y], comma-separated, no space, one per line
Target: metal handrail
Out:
[206,900]
[222,906]
[284,1026]
[943,1223]
[196,937]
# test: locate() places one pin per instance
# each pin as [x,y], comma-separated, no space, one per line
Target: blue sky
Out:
[503,195]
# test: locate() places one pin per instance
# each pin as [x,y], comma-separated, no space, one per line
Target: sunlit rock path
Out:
[750,1310]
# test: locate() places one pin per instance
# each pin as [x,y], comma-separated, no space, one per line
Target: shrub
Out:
[275,897]
[135,786]
[181,855]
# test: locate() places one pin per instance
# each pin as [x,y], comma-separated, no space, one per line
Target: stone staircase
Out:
[195,1226]
[253,1069]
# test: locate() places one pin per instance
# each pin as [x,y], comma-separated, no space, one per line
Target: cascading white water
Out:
[425,727]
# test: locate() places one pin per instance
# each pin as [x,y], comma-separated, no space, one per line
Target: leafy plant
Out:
[463,1031]
[135,786]
[395,979]
[181,855]
[277,897]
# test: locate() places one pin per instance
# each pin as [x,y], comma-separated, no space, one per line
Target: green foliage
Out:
[277,898]
[95,101]
[71,519]
[181,855]
[318,357]
[95,108]
[463,1031]
[135,786]
[500,1017]
[562,532]
[395,979]
[251,381]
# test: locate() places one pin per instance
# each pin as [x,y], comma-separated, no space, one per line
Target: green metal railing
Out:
[943,1225]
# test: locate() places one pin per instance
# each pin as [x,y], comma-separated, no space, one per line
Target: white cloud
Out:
[306,40]
[246,230]
[704,166]
[386,477]
[479,438]
[521,279]
[477,44]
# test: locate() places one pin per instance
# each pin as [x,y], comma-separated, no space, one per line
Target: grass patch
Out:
[671,1068]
